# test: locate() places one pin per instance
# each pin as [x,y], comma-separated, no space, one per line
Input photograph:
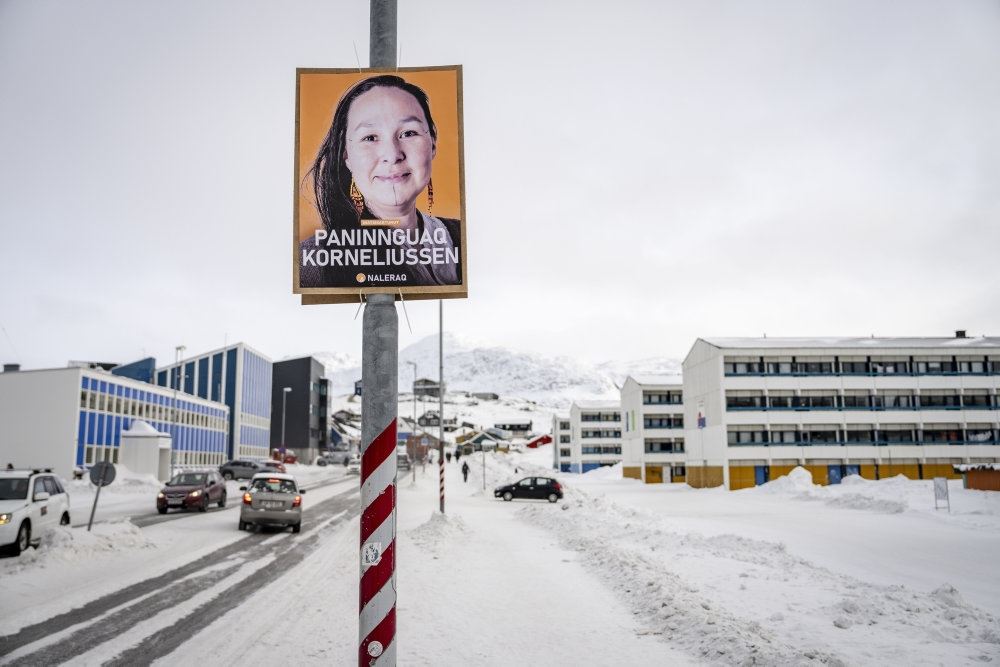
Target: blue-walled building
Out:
[67,417]
[238,376]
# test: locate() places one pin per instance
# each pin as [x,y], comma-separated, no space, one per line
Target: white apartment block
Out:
[754,408]
[562,437]
[653,434]
[595,436]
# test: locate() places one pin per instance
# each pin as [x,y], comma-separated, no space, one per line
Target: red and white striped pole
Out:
[379,404]
[377,621]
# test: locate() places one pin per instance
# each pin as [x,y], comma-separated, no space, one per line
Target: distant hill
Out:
[550,381]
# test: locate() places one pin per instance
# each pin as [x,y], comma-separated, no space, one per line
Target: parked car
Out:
[192,491]
[354,466]
[333,458]
[289,456]
[240,469]
[271,500]
[32,503]
[274,465]
[540,488]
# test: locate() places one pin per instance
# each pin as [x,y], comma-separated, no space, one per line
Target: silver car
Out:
[271,499]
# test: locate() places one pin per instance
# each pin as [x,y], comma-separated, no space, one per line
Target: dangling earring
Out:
[357,199]
[430,196]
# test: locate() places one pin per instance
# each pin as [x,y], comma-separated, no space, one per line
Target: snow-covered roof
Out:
[860,343]
[658,379]
[597,405]
[966,467]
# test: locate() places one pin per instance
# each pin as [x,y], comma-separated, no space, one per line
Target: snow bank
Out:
[71,545]
[605,472]
[733,599]
[126,481]
[889,496]
[435,534]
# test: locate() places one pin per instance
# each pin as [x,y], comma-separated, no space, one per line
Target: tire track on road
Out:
[168,588]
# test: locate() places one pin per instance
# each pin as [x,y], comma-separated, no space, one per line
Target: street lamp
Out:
[284,400]
[178,356]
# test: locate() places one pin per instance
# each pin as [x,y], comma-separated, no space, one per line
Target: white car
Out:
[32,503]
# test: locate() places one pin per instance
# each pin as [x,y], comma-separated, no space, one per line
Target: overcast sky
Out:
[638,174]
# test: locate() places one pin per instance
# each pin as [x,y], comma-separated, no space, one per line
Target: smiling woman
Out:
[375,162]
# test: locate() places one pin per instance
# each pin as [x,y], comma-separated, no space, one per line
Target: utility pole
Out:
[178,357]
[379,407]
[441,401]
[284,400]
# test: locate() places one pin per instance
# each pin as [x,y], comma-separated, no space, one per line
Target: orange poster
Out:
[379,184]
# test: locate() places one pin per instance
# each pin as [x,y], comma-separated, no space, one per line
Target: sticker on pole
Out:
[375,649]
[372,554]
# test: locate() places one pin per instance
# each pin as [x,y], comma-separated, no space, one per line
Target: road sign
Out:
[941,492]
[102,474]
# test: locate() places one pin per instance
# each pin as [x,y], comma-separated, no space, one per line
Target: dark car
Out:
[241,469]
[538,488]
[192,490]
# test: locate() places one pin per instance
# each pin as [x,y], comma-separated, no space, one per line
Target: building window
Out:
[977,399]
[662,421]
[745,400]
[563,439]
[600,433]
[747,435]
[661,398]
[600,417]
[940,399]
[565,453]
[564,426]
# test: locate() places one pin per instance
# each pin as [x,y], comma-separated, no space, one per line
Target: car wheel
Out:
[23,539]
[508,496]
[242,526]
[222,501]
[204,504]
[161,510]
[227,475]
[297,527]
[553,497]
[64,519]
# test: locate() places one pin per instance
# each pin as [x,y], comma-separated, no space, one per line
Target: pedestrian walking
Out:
[447,455]
[458,454]
[465,471]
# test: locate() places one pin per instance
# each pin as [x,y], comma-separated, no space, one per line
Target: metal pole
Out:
[178,351]
[379,406]
[441,401]
[100,484]
[284,400]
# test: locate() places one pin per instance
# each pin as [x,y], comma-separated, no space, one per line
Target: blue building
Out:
[67,417]
[238,376]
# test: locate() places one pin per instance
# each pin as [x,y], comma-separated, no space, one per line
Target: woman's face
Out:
[389,149]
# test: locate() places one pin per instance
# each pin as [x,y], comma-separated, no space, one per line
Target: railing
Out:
[878,443]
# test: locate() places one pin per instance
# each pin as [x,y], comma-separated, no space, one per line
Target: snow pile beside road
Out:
[126,481]
[65,545]
[606,472]
[733,599]
[854,492]
[436,533]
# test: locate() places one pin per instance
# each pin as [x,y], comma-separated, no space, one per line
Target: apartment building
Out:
[754,408]
[653,434]
[562,437]
[595,436]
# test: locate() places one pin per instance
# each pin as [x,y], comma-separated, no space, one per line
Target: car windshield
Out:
[273,485]
[188,479]
[13,489]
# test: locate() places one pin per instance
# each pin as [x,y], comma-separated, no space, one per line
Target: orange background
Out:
[318,94]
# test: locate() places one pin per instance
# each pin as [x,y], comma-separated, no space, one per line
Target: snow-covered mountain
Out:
[470,366]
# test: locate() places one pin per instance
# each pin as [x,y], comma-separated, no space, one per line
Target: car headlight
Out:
[195,494]
[160,495]
[4,518]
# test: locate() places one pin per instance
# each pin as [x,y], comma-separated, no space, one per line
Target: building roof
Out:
[597,405]
[833,342]
[658,379]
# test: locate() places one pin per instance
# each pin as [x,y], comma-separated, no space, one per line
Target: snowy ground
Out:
[617,573]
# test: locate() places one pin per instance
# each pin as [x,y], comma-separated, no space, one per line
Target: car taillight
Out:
[297,502]
[247,499]
[558,487]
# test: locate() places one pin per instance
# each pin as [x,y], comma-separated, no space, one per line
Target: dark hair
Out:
[331,177]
